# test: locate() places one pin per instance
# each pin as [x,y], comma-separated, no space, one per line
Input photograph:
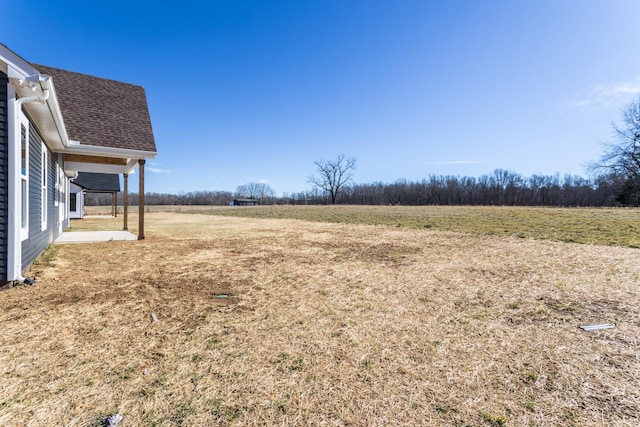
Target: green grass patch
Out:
[494,420]
[600,226]
[47,257]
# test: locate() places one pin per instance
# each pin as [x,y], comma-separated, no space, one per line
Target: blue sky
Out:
[247,90]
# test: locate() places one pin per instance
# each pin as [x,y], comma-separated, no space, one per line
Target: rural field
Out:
[332,316]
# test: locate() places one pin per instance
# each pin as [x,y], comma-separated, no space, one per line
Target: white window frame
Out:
[44,188]
[24,178]
[56,195]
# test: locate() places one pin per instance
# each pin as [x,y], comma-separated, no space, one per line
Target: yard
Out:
[278,321]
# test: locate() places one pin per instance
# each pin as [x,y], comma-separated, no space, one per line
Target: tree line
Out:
[502,187]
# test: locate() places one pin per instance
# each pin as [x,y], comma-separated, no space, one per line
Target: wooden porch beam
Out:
[80,158]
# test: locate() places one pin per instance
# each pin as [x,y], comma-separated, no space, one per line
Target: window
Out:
[24,178]
[56,194]
[44,188]
[72,202]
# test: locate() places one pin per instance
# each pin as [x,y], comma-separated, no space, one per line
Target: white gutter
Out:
[54,109]
[94,150]
[14,246]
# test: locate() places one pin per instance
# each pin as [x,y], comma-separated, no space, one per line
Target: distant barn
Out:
[245,202]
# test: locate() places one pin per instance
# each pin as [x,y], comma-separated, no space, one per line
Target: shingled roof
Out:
[102,112]
[98,182]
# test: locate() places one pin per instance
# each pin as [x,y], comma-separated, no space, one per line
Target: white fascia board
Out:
[119,153]
[74,167]
[129,168]
[54,109]
[94,167]
[16,66]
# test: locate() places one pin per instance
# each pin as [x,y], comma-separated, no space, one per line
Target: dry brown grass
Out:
[324,324]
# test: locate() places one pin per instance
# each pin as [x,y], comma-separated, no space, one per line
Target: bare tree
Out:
[621,159]
[255,190]
[333,175]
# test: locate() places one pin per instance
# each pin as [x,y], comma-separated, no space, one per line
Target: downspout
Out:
[14,272]
[39,98]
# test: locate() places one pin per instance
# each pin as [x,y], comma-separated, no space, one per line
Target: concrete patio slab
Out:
[93,236]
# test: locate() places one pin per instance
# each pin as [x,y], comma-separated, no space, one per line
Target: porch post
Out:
[125,202]
[141,201]
[114,211]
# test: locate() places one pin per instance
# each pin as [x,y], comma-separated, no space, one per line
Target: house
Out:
[90,182]
[55,124]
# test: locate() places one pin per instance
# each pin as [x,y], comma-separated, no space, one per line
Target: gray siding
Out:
[39,239]
[4,176]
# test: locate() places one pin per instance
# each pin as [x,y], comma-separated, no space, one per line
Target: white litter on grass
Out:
[154,318]
[590,328]
[112,420]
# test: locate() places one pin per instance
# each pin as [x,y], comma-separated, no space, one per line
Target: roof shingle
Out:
[102,112]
